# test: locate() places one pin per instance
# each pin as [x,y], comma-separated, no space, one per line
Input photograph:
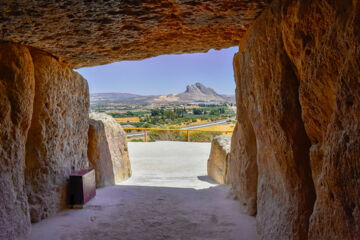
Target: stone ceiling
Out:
[93,32]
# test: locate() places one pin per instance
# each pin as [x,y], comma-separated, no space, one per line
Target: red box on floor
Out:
[82,187]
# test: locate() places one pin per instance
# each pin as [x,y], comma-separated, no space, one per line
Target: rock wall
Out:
[298,80]
[117,145]
[243,164]
[43,135]
[323,42]
[58,136]
[17,89]
[218,162]
[269,86]
[99,154]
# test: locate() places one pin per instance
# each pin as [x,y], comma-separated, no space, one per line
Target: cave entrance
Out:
[184,92]
[169,194]
[178,98]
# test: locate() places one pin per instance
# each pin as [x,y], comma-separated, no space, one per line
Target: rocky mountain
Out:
[194,93]
[198,92]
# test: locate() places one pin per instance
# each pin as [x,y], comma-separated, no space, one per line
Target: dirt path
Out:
[168,197]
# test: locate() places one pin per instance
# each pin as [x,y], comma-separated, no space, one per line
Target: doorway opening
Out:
[171,107]
[187,92]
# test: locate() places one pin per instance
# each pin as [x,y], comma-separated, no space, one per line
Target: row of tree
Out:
[215,112]
[168,113]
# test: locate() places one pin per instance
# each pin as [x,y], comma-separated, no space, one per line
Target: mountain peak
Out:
[199,85]
[199,92]
[193,88]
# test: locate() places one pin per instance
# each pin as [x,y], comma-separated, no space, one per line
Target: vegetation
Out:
[127,119]
[165,117]
[195,136]
[173,116]
[221,127]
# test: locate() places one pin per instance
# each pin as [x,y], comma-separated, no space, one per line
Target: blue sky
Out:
[164,74]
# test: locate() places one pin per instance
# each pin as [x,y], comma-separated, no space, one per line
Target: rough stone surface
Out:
[117,142]
[85,33]
[322,39]
[99,154]
[58,136]
[299,82]
[17,89]
[242,164]
[218,162]
[269,89]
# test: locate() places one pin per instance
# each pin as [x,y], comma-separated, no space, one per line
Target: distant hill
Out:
[194,93]
[230,98]
[199,92]
[113,95]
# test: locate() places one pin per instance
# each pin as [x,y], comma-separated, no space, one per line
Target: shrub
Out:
[137,140]
[199,136]
[167,135]
[195,136]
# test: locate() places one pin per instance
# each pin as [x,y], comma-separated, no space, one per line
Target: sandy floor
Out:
[168,197]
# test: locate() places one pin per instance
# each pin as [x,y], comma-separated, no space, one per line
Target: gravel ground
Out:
[169,196]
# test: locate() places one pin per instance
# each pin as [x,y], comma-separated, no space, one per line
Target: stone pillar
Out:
[99,154]
[17,89]
[58,136]
[322,40]
[269,87]
[300,86]
[116,146]
[243,163]
[218,162]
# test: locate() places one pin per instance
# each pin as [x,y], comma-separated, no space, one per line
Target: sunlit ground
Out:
[168,197]
[170,164]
